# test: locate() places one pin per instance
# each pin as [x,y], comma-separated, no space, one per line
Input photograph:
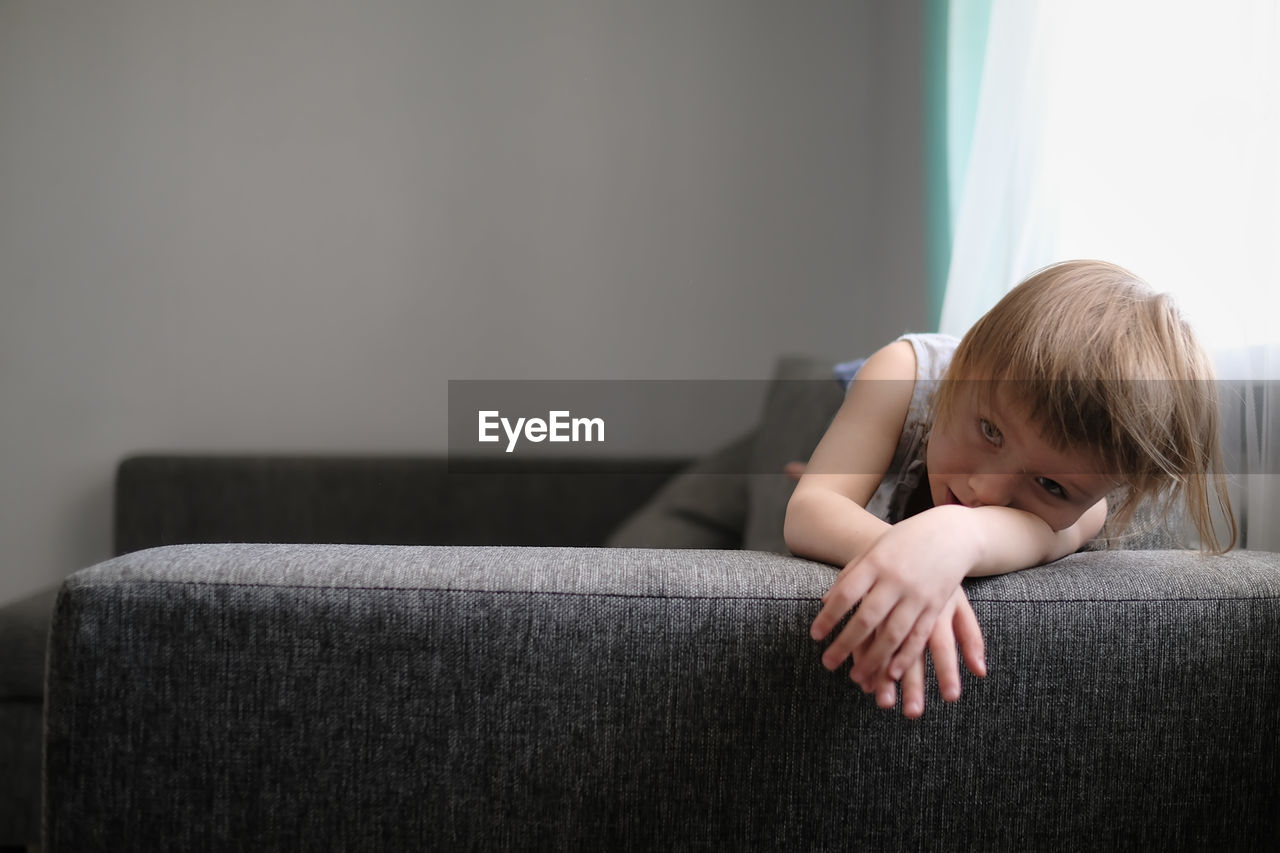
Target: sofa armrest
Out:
[374,697]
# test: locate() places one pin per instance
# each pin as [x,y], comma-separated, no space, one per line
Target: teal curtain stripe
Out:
[968,22]
[955,52]
[937,179]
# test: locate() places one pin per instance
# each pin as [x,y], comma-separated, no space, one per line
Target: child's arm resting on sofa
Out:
[826,519]
[911,571]
[903,574]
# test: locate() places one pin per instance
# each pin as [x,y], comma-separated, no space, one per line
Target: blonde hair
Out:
[1104,363]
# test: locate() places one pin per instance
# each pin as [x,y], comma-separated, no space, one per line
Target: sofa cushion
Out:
[340,697]
[705,506]
[361,499]
[737,496]
[24,627]
[802,399]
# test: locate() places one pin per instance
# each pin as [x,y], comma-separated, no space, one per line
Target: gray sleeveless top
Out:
[933,354]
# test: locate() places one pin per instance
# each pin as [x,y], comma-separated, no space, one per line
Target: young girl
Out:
[995,453]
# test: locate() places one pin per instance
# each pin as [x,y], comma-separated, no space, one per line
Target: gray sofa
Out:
[167,499]
[501,695]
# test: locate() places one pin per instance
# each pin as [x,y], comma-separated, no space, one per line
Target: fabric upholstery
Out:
[704,506]
[21,733]
[162,500]
[362,499]
[24,629]
[369,698]
[737,497]
[802,399]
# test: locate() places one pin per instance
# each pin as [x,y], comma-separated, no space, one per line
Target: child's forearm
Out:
[823,525]
[1010,539]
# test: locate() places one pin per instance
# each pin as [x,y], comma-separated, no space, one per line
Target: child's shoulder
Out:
[932,353]
[909,357]
[896,360]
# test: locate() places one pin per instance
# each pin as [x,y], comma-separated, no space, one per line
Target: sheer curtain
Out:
[1145,133]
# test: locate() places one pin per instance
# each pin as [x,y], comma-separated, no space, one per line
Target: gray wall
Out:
[285,225]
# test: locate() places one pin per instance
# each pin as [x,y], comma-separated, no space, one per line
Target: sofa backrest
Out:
[189,499]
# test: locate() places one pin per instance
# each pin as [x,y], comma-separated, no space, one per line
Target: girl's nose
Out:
[992,489]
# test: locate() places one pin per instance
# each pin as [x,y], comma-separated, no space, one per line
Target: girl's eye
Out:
[1051,487]
[990,432]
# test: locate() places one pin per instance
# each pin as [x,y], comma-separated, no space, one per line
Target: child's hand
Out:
[903,582]
[957,621]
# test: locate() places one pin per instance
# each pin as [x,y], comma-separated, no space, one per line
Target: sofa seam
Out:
[416,589]
[595,594]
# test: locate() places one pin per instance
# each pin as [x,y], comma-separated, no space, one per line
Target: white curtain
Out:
[1144,132]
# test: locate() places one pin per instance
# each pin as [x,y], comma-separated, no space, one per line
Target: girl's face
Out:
[991,454]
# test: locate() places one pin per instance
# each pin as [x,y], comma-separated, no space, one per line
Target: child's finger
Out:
[913,643]
[885,690]
[913,690]
[868,687]
[847,591]
[886,694]
[946,663]
[969,633]
[844,573]
[901,641]
[842,579]
[892,631]
[872,611]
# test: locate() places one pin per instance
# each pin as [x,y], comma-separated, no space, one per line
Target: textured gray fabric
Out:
[479,568]
[363,698]
[705,506]
[203,498]
[802,399]
[1140,575]
[24,628]
[178,499]
[20,737]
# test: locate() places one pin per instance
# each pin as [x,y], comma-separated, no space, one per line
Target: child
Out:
[1081,385]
